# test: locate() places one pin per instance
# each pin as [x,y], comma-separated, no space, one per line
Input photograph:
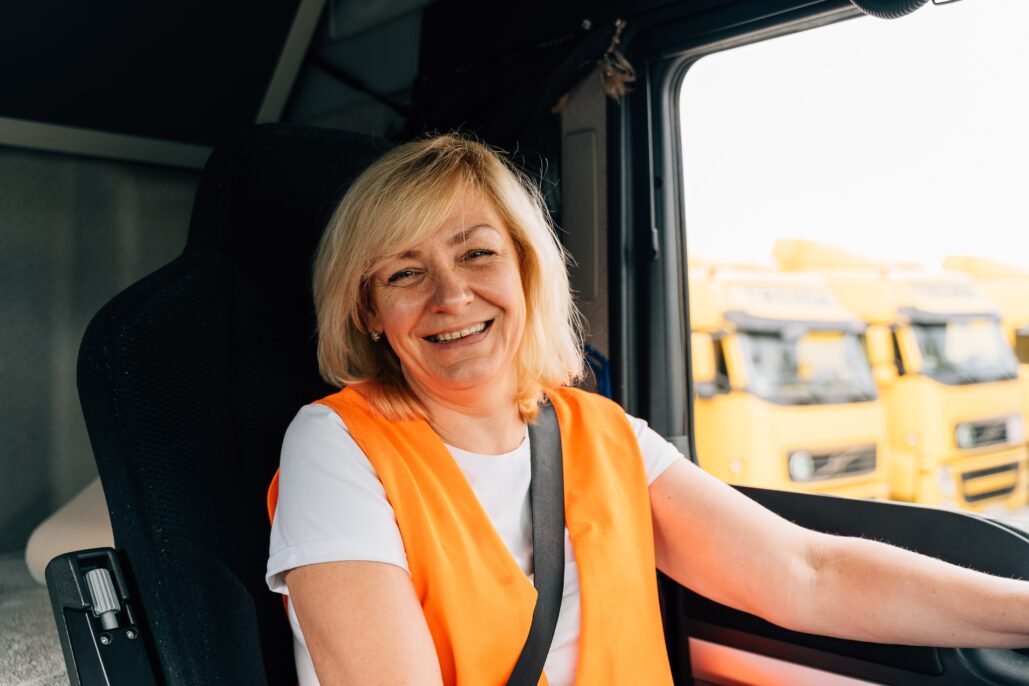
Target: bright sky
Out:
[903,140]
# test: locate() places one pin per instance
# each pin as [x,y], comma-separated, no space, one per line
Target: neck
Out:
[476,420]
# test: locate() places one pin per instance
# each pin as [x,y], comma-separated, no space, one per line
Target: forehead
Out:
[470,209]
[471,214]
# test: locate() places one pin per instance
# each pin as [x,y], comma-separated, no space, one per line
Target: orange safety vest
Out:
[477,601]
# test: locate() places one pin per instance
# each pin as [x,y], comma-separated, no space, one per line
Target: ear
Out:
[371,320]
[366,310]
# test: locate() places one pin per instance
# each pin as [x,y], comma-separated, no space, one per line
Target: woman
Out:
[444,308]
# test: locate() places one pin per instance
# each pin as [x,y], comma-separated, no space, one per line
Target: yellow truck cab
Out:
[785,397]
[955,427]
[1008,288]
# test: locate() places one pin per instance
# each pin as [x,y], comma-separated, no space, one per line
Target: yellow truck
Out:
[785,397]
[1008,288]
[955,426]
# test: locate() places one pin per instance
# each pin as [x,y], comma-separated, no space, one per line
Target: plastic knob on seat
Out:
[104,597]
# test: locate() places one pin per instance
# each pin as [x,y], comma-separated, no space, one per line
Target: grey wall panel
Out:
[66,139]
[73,232]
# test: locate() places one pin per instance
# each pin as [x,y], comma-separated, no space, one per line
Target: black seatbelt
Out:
[546,495]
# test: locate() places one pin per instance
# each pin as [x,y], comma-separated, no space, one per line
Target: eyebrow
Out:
[458,238]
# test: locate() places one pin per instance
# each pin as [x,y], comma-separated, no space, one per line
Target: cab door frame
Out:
[650,362]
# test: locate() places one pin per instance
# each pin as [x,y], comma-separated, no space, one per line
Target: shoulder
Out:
[331,504]
[326,483]
[317,442]
[594,401]
[315,424]
[657,453]
[315,418]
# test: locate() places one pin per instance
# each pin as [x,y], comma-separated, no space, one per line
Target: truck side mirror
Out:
[879,343]
[702,352]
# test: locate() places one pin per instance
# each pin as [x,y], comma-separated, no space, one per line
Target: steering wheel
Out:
[888,9]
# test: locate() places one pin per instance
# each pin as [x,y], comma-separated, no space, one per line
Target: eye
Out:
[400,275]
[479,252]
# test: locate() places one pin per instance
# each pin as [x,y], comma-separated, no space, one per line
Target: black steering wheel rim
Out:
[888,9]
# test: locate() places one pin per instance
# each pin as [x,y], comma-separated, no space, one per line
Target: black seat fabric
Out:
[188,380]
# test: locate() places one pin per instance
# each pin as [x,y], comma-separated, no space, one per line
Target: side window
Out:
[851,194]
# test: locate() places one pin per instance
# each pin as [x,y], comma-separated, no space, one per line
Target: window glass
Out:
[815,367]
[870,176]
[965,351]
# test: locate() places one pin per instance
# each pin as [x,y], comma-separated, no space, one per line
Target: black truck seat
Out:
[188,380]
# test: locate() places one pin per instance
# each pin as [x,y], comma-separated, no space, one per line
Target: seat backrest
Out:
[188,380]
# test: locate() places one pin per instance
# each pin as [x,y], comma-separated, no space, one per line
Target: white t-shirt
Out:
[333,507]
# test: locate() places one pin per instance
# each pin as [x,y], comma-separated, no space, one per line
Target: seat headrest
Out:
[263,201]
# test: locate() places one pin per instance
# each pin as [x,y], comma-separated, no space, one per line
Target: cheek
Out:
[516,303]
[396,311]
[402,320]
[504,289]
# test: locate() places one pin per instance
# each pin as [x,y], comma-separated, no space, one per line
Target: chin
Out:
[469,377]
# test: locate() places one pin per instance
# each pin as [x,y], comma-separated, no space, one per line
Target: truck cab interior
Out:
[167,172]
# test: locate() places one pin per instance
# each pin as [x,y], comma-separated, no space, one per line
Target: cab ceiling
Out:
[195,73]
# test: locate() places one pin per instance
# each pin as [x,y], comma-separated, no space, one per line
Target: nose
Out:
[452,291]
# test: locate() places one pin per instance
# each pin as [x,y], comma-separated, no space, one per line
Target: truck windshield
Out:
[965,351]
[816,367]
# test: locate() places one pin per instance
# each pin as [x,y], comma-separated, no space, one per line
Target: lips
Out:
[458,334]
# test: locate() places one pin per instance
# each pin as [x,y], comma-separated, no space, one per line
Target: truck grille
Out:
[990,432]
[848,462]
[994,482]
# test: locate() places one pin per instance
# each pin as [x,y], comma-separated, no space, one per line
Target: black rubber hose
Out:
[888,9]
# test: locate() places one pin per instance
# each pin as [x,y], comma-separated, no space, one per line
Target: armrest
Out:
[97,618]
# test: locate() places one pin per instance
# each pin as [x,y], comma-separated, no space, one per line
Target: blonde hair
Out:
[400,200]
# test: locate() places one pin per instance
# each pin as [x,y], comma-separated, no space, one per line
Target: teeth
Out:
[454,335]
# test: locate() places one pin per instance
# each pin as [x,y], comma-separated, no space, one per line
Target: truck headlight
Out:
[964,435]
[1016,429]
[801,466]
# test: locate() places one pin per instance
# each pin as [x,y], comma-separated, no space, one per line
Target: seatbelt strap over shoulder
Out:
[546,495]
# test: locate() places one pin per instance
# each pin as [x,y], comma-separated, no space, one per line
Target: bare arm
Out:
[363,624]
[725,546]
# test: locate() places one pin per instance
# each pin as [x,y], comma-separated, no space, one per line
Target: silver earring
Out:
[376,335]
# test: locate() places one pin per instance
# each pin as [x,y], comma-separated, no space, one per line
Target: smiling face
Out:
[452,307]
